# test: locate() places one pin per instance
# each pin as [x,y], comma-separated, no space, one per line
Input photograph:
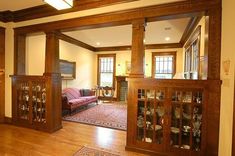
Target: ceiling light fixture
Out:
[60,4]
[167,38]
[98,43]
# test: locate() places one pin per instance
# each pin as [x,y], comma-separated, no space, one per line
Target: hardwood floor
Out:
[17,141]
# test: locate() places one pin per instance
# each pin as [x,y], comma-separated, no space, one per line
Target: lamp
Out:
[60,4]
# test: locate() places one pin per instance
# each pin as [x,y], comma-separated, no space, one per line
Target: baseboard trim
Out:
[7,120]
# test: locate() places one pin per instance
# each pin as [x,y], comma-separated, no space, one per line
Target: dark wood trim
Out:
[163,46]
[173,53]
[190,28]
[98,67]
[115,48]
[7,120]
[2,74]
[160,12]
[46,10]
[75,41]
[19,54]
[148,46]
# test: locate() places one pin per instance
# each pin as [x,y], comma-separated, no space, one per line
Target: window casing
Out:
[164,64]
[192,56]
[106,70]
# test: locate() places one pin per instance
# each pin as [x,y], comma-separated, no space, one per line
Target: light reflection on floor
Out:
[105,136]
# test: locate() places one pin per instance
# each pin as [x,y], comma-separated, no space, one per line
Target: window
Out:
[163,65]
[106,70]
[192,56]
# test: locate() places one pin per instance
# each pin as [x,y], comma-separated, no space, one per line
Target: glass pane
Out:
[140,115]
[106,79]
[149,113]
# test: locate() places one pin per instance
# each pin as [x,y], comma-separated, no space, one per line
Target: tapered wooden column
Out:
[137,50]
[53,73]
[2,74]
[20,54]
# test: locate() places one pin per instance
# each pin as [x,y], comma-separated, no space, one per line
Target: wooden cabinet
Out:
[167,117]
[32,105]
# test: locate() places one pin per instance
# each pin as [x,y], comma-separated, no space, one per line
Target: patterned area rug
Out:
[105,115]
[90,151]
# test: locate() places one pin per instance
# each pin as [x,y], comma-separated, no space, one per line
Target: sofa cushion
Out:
[71,93]
[88,98]
[76,101]
[86,92]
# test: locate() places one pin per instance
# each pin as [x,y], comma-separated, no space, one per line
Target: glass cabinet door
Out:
[150,115]
[186,120]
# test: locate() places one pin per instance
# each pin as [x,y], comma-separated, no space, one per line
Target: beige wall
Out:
[123,56]
[85,65]
[228,53]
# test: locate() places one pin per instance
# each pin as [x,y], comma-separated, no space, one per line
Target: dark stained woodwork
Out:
[119,79]
[75,41]
[189,29]
[163,46]
[7,120]
[172,53]
[52,53]
[47,10]
[194,35]
[2,74]
[115,48]
[137,49]
[212,8]
[19,54]
[165,11]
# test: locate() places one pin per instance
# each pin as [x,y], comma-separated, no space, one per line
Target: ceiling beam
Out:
[147,46]
[190,28]
[75,41]
[46,10]
[120,17]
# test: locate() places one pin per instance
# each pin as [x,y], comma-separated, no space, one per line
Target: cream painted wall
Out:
[85,65]
[85,61]
[228,53]
[35,54]
[123,56]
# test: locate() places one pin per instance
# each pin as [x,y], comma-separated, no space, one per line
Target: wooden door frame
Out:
[233,141]
[209,8]
[2,74]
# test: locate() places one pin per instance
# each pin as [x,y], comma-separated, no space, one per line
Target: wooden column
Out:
[52,71]
[137,50]
[2,74]
[20,54]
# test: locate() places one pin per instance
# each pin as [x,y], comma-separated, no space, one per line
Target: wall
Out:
[85,65]
[35,61]
[123,56]
[228,53]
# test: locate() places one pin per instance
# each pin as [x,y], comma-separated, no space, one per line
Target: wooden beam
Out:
[137,49]
[2,74]
[190,28]
[160,12]
[47,10]
[75,41]
[19,54]
[148,46]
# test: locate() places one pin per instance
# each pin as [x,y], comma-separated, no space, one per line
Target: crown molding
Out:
[47,10]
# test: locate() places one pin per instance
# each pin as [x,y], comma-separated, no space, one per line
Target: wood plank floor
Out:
[17,141]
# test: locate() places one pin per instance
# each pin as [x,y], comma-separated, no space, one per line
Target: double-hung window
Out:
[106,69]
[163,65]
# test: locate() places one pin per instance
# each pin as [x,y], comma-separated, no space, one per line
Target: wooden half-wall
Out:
[138,17]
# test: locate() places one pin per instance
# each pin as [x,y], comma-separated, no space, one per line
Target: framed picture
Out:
[128,67]
[67,69]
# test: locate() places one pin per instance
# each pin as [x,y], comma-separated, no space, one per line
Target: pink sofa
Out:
[73,98]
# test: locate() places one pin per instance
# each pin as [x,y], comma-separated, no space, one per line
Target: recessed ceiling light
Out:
[144,40]
[98,43]
[60,4]
[167,38]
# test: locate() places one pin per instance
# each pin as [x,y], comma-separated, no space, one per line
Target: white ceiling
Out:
[122,35]
[14,5]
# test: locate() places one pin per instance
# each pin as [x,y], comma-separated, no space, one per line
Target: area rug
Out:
[111,115]
[90,151]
